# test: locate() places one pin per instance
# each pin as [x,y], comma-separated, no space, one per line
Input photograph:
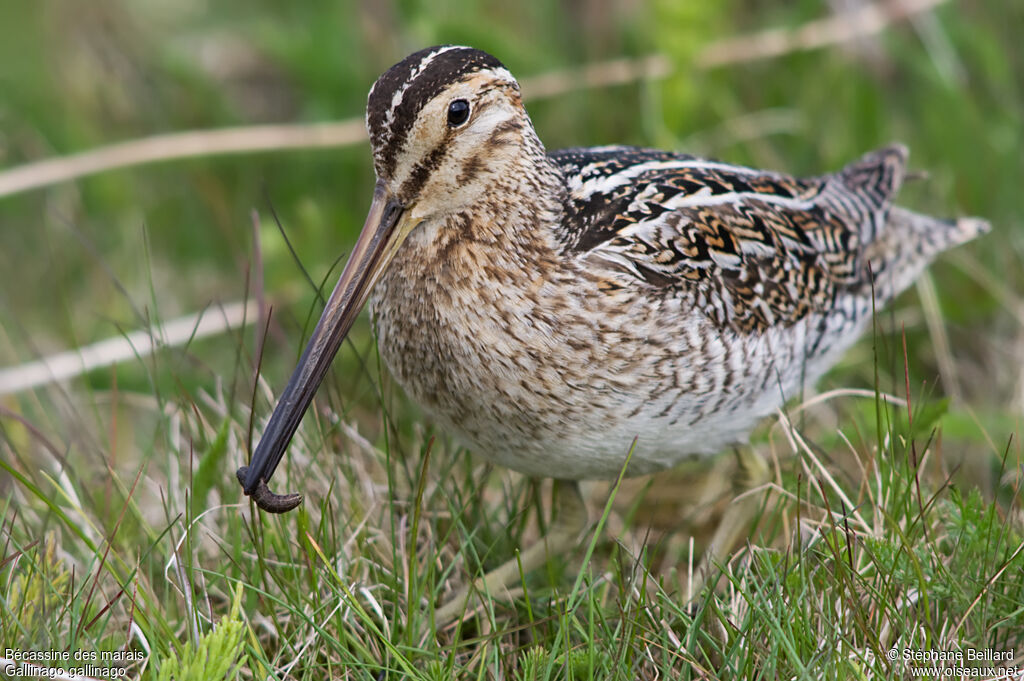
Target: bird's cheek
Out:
[441,195]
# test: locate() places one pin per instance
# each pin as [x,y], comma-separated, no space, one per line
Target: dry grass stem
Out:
[940,339]
[841,28]
[130,346]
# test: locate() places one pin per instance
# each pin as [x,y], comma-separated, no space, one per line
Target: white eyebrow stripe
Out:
[502,74]
[396,99]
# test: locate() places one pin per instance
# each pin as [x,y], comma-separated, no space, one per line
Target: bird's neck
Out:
[518,213]
[529,204]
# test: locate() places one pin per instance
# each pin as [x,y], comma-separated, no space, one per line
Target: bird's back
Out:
[756,248]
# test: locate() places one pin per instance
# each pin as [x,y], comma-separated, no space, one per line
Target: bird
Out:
[589,312]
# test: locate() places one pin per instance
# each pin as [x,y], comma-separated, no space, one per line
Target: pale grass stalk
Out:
[993,286]
[142,402]
[357,532]
[375,606]
[940,339]
[822,469]
[689,570]
[128,347]
[217,407]
[66,488]
[309,640]
[177,447]
[941,49]
[873,497]
[598,75]
[786,494]
[988,585]
[866,20]
[175,564]
[180,145]
[363,477]
[848,392]
[140,636]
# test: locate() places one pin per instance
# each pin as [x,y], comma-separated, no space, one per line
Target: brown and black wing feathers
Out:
[756,248]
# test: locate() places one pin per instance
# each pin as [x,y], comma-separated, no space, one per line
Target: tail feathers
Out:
[898,243]
[910,241]
[933,235]
[969,228]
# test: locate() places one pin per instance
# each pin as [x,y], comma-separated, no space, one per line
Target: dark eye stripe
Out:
[418,177]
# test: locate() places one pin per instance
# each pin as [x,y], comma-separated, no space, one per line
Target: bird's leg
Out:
[752,472]
[569,519]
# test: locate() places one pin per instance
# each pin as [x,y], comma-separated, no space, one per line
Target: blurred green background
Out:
[87,260]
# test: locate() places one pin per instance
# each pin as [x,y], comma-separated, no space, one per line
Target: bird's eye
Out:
[458,112]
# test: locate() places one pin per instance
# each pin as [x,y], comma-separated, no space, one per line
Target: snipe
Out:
[551,309]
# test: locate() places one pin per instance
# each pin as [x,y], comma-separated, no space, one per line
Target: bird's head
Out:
[444,124]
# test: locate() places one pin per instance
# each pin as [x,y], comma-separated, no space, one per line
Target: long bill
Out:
[382,234]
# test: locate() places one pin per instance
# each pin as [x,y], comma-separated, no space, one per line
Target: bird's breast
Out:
[532,365]
[480,341]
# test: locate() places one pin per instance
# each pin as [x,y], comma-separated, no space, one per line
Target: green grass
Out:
[345,585]
[892,523]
